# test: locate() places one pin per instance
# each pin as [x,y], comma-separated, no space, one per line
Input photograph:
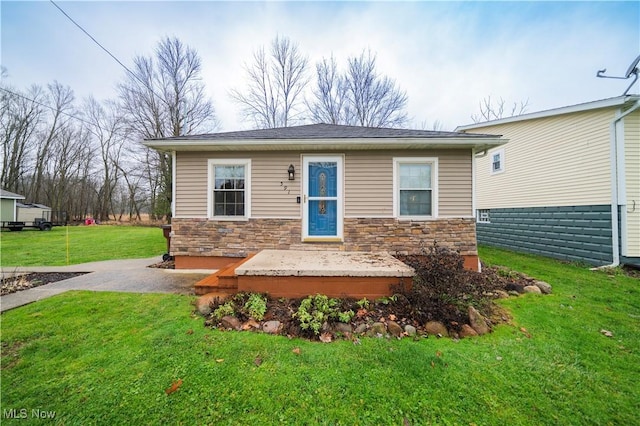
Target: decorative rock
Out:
[500,294]
[377,328]
[251,323]
[228,321]
[532,289]
[410,330]
[436,328]
[544,287]
[343,328]
[360,329]
[394,328]
[467,331]
[477,321]
[272,327]
[513,293]
[203,303]
[515,287]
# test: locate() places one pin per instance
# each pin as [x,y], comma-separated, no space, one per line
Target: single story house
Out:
[567,185]
[8,210]
[321,187]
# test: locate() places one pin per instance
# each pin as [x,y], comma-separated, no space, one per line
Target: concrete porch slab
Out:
[292,263]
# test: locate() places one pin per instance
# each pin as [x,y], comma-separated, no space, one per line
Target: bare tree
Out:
[105,124]
[437,126]
[360,96]
[164,97]
[275,83]
[60,101]
[20,117]
[488,110]
[68,163]
[330,96]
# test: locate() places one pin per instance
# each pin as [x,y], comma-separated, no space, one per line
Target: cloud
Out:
[447,56]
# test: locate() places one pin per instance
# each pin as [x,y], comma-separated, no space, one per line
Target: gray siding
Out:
[578,233]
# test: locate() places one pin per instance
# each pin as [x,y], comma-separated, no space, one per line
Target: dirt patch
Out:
[35,279]
[166,264]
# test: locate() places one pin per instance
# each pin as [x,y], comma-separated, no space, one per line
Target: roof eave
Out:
[604,103]
[479,143]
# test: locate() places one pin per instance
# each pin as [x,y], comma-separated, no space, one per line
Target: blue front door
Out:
[322,196]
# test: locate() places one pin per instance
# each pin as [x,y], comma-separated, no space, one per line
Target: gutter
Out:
[615,237]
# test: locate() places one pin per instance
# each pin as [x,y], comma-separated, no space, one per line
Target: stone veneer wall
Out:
[203,237]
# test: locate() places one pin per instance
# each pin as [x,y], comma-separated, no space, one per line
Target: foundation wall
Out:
[203,238]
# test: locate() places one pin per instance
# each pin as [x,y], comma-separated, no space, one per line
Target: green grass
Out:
[84,244]
[107,358]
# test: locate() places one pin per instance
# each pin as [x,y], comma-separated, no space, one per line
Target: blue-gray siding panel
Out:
[579,233]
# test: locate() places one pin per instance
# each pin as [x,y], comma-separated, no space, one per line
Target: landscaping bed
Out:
[35,279]
[443,300]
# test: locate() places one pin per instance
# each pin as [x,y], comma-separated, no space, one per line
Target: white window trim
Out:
[480,219]
[211,162]
[500,152]
[434,185]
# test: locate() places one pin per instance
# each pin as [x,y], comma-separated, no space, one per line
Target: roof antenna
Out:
[632,70]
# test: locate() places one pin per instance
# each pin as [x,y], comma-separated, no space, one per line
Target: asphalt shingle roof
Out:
[7,194]
[326,131]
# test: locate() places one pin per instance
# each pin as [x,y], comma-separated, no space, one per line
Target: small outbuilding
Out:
[31,212]
[8,205]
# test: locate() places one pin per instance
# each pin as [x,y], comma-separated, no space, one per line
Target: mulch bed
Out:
[35,279]
[499,283]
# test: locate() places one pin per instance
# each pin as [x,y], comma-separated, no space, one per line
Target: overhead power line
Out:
[144,83]
[47,106]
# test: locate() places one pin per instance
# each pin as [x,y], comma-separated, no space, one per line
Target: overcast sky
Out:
[446,55]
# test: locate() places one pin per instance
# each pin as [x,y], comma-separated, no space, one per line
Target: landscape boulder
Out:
[204,303]
[467,331]
[230,322]
[410,330]
[532,289]
[272,327]
[436,328]
[544,287]
[477,321]
[377,329]
[394,328]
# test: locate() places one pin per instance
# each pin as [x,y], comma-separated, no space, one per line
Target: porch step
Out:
[224,280]
[290,273]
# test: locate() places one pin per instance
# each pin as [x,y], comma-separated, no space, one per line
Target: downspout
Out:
[615,237]
[473,198]
[173,184]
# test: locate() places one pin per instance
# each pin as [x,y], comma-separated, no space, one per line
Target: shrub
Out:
[228,308]
[442,289]
[346,316]
[315,311]
[256,306]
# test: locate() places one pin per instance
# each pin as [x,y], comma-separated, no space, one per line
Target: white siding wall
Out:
[632,182]
[553,161]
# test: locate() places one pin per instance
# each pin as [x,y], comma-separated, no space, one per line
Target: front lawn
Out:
[108,358]
[81,244]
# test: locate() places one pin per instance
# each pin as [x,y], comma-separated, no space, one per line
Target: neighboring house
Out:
[567,185]
[321,187]
[8,211]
